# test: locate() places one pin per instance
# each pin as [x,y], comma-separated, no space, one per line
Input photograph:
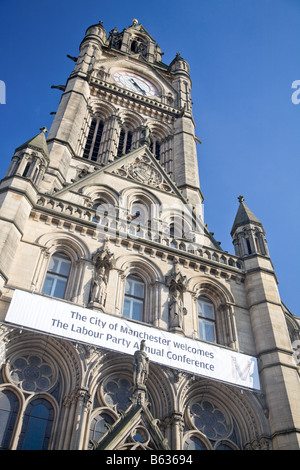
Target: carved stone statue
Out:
[177,285]
[103,261]
[99,283]
[176,309]
[141,365]
[146,136]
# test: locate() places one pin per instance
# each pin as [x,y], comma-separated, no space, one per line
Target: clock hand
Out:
[137,86]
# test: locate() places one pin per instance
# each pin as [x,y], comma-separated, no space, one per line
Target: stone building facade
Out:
[104,214]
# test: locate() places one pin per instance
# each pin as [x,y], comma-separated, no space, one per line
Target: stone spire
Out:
[244,216]
[248,233]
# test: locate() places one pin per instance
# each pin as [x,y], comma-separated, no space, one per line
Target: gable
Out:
[138,166]
[136,429]
[138,169]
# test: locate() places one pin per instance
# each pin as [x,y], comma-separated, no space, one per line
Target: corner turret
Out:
[31,159]
[248,233]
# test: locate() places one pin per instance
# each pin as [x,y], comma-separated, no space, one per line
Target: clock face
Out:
[135,83]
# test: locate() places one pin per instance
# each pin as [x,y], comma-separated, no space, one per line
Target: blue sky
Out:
[244,56]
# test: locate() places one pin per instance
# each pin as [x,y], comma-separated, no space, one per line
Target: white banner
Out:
[79,324]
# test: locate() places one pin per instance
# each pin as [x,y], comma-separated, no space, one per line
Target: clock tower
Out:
[124,97]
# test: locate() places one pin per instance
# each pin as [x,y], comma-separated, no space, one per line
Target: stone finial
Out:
[241,198]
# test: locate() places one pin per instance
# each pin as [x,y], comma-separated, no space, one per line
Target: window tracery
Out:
[32,373]
[209,426]
[117,392]
[125,141]
[92,146]
[99,425]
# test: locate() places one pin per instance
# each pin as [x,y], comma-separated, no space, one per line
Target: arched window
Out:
[125,142]
[248,246]
[117,392]
[8,413]
[139,219]
[194,443]
[134,298]
[37,425]
[206,320]
[155,148]
[172,235]
[210,426]
[98,426]
[57,276]
[26,170]
[92,145]
[104,210]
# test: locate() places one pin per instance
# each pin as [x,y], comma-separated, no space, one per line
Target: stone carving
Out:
[143,170]
[145,173]
[141,365]
[146,136]
[177,285]
[103,262]
[99,284]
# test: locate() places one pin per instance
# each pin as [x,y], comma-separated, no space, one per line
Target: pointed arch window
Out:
[194,443]
[172,235]
[99,426]
[57,276]
[93,142]
[155,148]
[26,170]
[133,307]
[37,425]
[125,142]
[139,219]
[206,320]
[9,406]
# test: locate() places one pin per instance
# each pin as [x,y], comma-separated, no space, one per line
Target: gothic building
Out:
[124,325]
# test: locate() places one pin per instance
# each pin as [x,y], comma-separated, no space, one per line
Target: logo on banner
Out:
[243,372]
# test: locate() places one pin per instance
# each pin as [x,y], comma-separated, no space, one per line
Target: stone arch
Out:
[61,355]
[74,246]
[102,109]
[112,365]
[239,417]
[177,224]
[69,245]
[152,206]
[152,278]
[56,373]
[223,302]
[130,119]
[161,390]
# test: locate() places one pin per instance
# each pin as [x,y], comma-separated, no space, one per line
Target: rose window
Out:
[208,419]
[31,373]
[117,393]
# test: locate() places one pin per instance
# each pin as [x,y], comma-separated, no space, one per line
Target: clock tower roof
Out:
[135,40]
